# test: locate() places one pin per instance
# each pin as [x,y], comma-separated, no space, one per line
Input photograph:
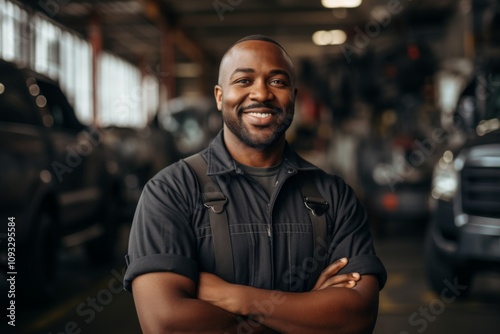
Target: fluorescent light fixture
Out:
[341,3]
[329,37]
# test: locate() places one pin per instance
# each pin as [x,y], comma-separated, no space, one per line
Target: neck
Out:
[254,157]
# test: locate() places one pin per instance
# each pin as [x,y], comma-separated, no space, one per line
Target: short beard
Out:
[237,128]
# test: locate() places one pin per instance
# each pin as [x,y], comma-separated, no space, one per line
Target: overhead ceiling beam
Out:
[163,11]
[256,19]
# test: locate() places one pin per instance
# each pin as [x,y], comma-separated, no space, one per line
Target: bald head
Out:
[259,38]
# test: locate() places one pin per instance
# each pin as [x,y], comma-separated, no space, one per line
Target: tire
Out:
[38,261]
[442,271]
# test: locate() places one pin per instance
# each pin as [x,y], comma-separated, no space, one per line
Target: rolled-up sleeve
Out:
[352,238]
[161,237]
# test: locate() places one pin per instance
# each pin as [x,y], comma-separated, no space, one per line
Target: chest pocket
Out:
[215,201]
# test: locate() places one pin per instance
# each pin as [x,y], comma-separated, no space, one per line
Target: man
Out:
[171,252]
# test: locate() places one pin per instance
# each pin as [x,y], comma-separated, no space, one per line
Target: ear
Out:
[218,96]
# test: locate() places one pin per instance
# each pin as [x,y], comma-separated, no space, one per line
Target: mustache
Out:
[261,105]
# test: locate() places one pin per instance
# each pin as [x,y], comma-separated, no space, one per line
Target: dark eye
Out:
[279,82]
[242,81]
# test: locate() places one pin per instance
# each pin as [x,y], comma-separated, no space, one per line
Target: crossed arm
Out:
[171,303]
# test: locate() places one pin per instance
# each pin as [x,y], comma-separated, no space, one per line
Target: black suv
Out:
[464,233]
[53,179]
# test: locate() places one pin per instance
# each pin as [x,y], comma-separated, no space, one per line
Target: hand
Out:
[329,278]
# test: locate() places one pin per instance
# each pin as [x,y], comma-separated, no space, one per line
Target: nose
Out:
[260,91]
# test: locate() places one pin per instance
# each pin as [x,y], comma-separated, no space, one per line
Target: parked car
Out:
[136,155]
[464,232]
[53,180]
[192,121]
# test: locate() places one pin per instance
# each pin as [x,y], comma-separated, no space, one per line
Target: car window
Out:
[58,106]
[15,102]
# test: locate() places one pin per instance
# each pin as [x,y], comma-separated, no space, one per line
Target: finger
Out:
[334,268]
[330,271]
[340,280]
[349,284]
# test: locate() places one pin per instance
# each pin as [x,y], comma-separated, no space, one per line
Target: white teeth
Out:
[261,115]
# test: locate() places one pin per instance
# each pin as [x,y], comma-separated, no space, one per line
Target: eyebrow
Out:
[251,70]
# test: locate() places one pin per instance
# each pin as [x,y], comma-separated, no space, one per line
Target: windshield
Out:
[493,102]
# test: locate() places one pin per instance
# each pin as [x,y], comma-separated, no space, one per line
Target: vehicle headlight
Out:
[445,178]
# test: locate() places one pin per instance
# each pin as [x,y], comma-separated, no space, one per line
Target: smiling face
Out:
[256,94]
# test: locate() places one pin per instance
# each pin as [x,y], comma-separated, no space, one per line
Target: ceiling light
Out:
[341,3]
[329,37]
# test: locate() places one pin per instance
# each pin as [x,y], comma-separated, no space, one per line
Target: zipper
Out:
[287,174]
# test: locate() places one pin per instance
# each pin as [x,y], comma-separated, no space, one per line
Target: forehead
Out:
[257,55]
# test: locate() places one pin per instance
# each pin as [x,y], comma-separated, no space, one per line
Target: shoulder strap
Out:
[215,201]
[317,207]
